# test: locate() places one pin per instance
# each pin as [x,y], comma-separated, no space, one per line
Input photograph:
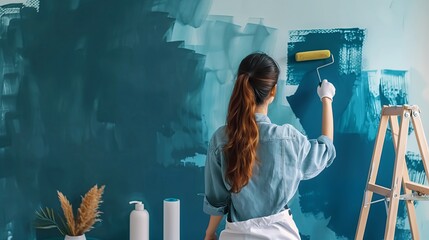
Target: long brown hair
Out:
[256,77]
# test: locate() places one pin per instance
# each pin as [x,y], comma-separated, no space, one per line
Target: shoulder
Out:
[219,135]
[292,131]
[218,139]
[280,132]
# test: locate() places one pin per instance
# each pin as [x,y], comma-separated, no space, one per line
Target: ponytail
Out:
[257,75]
[243,134]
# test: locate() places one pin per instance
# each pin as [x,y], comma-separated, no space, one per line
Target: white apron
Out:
[278,226]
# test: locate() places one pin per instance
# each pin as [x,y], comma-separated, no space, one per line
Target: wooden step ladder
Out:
[411,191]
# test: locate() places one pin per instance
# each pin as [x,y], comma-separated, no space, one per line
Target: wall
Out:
[128,93]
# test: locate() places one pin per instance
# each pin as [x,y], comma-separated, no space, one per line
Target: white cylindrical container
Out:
[139,222]
[171,219]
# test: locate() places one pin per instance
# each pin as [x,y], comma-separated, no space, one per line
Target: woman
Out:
[253,166]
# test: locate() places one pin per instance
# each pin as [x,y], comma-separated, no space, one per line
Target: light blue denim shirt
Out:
[286,157]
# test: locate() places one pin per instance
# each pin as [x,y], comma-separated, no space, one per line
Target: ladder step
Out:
[417,187]
[378,189]
[397,110]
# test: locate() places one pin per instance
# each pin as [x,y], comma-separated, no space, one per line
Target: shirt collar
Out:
[260,117]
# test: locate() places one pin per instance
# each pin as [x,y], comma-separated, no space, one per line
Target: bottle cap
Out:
[138,205]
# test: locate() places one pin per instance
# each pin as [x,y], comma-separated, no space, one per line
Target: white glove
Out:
[326,89]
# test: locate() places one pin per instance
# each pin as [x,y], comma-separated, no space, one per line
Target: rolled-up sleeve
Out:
[216,195]
[317,154]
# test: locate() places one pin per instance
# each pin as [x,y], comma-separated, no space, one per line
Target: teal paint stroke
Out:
[344,44]
[415,167]
[363,112]
[370,92]
[187,12]
[393,87]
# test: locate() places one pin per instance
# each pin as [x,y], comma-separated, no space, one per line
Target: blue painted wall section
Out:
[91,89]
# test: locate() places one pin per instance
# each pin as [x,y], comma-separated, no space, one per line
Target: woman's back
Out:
[283,155]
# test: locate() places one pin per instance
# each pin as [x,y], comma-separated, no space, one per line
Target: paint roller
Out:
[315,55]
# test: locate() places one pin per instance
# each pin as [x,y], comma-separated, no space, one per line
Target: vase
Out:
[81,237]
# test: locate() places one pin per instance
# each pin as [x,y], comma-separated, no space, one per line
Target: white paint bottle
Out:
[139,222]
[171,219]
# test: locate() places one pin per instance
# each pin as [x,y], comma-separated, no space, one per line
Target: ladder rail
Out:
[421,139]
[372,176]
[397,175]
[411,210]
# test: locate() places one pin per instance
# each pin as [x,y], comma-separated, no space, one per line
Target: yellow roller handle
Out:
[312,55]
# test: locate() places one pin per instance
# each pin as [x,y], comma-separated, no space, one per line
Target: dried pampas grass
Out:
[87,214]
[68,213]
